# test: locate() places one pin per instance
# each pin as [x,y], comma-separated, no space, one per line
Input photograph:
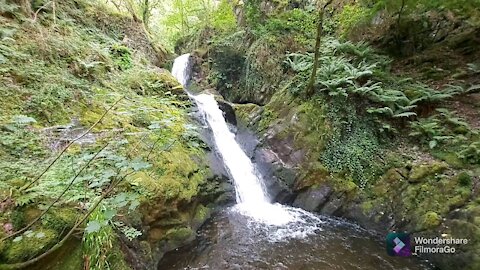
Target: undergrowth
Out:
[58,80]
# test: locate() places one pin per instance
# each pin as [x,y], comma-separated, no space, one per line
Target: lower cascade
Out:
[252,198]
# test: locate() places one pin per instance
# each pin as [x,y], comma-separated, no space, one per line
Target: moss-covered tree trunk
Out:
[311,83]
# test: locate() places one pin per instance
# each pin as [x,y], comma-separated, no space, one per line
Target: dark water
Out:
[231,241]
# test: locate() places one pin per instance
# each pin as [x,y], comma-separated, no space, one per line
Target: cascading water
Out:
[252,199]
[256,234]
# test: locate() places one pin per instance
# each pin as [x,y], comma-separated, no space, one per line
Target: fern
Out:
[22,120]
[470,153]
[299,62]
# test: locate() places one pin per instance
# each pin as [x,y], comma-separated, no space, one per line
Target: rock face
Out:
[313,199]
[423,196]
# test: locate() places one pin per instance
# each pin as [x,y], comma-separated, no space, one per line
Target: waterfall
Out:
[252,199]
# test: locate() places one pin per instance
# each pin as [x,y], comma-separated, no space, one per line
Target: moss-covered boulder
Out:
[421,171]
[429,220]
[29,244]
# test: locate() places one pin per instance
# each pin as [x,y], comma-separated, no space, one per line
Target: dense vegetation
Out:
[95,140]
[97,146]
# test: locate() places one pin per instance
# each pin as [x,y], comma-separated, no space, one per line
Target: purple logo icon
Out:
[398,244]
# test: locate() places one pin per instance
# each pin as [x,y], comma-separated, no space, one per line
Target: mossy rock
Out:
[394,175]
[449,157]
[60,219]
[202,213]
[430,220]
[177,236]
[29,245]
[367,207]
[248,114]
[422,171]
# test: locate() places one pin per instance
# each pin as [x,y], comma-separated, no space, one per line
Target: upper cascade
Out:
[252,198]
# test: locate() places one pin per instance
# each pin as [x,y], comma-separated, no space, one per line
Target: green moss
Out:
[268,116]
[367,207]
[420,172]
[60,219]
[202,213]
[394,175]
[346,185]
[18,219]
[178,235]
[30,244]
[430,220]
[69,257]
[450,157]
[248,114]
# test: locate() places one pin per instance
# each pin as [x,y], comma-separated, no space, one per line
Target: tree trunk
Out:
[146,14]
[311,83]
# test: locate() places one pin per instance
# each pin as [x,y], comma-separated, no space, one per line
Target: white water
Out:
[252,199]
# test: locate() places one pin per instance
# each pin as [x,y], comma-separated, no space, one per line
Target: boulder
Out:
[313,198]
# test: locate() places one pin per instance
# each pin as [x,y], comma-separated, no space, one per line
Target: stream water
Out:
[259,234]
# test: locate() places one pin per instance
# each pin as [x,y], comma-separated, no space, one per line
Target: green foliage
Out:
[463,7]
[72,73]
[186,18]
[98,240]
[297,21]
[122,56]
[299,62]
[470,152]
[350,17]
[49,103]
[352,146]
[129,232]
[443,128]
[356,72]
[6,7]
[223,18]
[18,140]
[464,179]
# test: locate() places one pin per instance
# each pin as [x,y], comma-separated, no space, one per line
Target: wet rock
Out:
[333,206]
[247,140]
[314,198]
[228,112]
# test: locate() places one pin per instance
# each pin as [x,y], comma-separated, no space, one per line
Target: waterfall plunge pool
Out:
[231,240]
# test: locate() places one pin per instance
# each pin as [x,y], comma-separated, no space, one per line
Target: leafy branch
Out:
[57,199]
